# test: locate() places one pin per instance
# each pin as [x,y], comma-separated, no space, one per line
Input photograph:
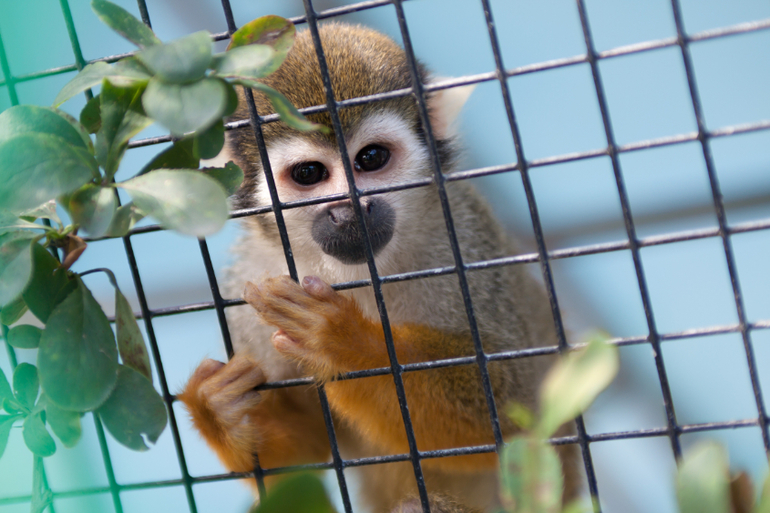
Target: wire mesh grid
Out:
[543,257]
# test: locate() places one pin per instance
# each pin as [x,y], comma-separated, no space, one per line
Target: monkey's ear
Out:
[445,106]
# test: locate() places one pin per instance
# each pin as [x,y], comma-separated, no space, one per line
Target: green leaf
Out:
[299,493]
[180,61]
[134,409]
[91,116]
[184,200]
[133,351]
[232,98]
[125,218]
[283,107]
[181,155]
[23,119]
[230,177]
[93,207]
[122,22]
[26,385]
[763,504]
[11,313]
[35,168]
[37,437]
[64,423]
[122,118]
[48,286]
[45,211]
[573,383]
[24,336]
[703,480]
[90,76]
[209,143]
[11,223]
[274,31]
[5,388]
[15,264]
[6,423]
[253,61]
[530,476]
[41,495]
[184,108]
[77,358]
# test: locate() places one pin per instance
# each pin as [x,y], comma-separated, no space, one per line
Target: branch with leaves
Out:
[50,162]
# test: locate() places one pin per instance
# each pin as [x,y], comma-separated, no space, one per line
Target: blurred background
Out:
[578,201]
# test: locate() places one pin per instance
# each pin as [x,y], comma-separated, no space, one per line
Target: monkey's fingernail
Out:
[283,343]
[315,286]
[252,295]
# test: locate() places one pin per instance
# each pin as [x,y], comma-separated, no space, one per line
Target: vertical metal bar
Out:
[545,264]
[654,336]
[218,303]
[719,206]
[440,180]
[354,193]
[114,490]
[10,81]
[256,124]
[167,397]
[144,13]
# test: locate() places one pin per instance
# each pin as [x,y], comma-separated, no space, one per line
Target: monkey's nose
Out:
[342,216]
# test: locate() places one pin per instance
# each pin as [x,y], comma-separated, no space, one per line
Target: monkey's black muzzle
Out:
[337,231]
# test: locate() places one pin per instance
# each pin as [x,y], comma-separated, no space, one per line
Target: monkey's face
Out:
[383,150]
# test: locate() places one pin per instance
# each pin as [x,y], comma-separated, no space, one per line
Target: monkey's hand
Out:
[238,422]
[328,333]
[317,326]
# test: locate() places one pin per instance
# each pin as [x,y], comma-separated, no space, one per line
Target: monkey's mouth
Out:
[337,230]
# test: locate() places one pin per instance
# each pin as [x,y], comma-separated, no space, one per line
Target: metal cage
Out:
[542,256]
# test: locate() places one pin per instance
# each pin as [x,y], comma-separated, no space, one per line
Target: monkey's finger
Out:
[240,374]
[318,288]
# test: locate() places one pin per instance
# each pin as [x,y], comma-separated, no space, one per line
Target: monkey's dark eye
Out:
[309,173]
[372,158]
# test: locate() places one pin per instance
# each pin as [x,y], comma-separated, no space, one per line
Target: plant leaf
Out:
[15,264]
[26,385]
[253,61]
[702,481]
[184,200]
[180,61]
[181,155]
[184,108]
[209,143]
[22,119]
[91,116]
[763,504]
[530,476]
[274,31]
[299,493]
[230,177]
[35,168]
[125,218]
[573,383]
[283,107]
[93,207]
[133,351]
[11,313]
[122,118]
[24,336]
[124,23]
[5,388]
[6,423]
[90,76]
[77,358]
[45,211]
[11,223]
[37,437]
[134,409]
[64,423]
[49,284]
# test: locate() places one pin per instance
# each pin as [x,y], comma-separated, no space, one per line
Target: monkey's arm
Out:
[328,333]
[280,425]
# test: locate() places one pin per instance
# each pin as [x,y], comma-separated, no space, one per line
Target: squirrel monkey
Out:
[309,329]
